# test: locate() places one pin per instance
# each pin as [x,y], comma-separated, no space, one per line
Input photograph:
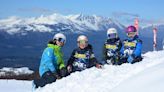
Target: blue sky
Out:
[145,9]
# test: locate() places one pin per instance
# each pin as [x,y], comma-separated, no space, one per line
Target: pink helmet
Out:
[131,29]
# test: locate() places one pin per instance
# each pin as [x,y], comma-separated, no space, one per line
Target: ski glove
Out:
[110,54]
[130,59]
[63,72]
[69,69]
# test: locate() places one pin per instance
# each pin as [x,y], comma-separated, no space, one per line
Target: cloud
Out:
[121,14]
[147,21]
[36,10]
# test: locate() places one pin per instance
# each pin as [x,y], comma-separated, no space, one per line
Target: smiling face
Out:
[82,44]
[131,34]
[59,43]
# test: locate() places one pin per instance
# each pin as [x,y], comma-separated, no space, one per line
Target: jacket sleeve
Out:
[137,51]
[71,59]
[60,60]
[104,53]
[48,59]
[93,60]
[122,49]
[120,45]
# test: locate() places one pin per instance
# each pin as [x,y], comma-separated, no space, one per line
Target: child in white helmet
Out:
[82,57]
[112,47]
[52,64]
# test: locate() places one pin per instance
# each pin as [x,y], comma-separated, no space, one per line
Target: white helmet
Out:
[82,37]
[59,35]
[112,31]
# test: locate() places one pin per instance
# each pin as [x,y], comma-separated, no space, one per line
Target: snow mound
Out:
[149,80]
[104,80]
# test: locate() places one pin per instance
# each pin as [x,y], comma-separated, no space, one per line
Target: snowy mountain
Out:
[144,76]
[20,37]
[56,23]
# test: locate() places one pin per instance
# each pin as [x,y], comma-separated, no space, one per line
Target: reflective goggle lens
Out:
[112,35]
[131,34]
[61,40]
[82,42]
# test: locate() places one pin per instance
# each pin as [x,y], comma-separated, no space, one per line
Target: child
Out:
[82,57]
[132,47]
[112,47]
[52,63]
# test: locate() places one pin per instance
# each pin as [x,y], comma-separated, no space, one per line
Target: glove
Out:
[109,62]
[130,59]
[63,72]
[69,69]
[109,53]
[98,66]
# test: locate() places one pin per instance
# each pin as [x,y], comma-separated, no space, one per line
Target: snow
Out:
[140,77]
[150,80]
[17,71]
[15,86]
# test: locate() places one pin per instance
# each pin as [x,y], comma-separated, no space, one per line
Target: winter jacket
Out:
[52,59]
[111,48]
[82,58]
[131,47]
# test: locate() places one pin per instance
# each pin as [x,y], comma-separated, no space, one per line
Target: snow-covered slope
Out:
[149,80]
[147,73]
[15,86]
[56,22]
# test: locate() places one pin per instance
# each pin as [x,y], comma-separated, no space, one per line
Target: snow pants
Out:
[49,77]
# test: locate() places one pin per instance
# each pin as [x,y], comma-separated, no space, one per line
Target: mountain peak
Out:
[49,23]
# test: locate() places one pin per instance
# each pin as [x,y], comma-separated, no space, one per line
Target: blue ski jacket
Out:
[132,47]
[52,59]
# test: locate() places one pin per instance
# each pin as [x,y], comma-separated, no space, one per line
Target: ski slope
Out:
[140,77]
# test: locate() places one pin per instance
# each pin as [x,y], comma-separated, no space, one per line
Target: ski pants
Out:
[48,77]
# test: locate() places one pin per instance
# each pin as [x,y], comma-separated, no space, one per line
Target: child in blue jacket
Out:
[131,48]
[52,64]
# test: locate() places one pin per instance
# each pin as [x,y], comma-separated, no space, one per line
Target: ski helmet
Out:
[82,37]
[112,33]
[131,29]
[60,37]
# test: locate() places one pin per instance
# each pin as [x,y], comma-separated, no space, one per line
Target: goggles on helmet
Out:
[131,34]
[110,36]
[82,42]
[61,40]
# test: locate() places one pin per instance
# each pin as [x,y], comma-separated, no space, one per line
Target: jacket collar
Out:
[54,46]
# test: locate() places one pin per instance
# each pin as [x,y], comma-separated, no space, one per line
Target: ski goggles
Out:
[82,42]
[61,40]
[131,34]
[110,36]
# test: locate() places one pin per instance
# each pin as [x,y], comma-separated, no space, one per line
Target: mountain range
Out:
[24,39]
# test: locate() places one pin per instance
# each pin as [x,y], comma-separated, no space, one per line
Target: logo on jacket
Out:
[129,44]
[82,56]
[108,46]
